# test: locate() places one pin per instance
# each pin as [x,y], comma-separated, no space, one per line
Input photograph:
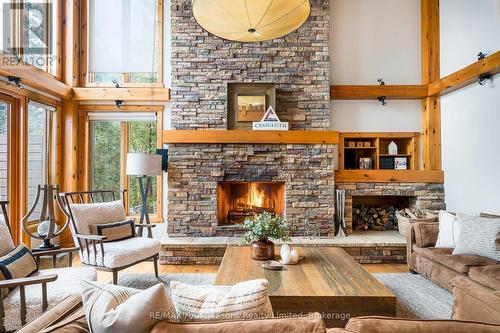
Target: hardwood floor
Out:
[147,267]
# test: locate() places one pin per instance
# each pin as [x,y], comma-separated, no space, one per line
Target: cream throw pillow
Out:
[449,230]
[97,213]
[244,300]
[110,308]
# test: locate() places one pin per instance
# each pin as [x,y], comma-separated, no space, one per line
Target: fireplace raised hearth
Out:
[237,201]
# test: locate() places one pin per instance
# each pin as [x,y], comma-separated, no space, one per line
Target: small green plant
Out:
[264,227]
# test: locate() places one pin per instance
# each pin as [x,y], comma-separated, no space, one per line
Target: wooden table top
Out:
[324,271]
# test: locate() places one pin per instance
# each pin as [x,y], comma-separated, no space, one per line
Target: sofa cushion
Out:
[400,325]
[478,236]
[488,276]
[310,324]
[449,230]
[460,263]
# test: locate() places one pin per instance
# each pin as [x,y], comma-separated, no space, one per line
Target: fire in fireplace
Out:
[237,201]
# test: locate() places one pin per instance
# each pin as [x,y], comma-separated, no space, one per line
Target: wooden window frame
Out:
[17,182]
[86,78]
[86,155]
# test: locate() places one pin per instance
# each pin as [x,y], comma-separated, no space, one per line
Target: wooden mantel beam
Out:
[250,137]
[356,92]
[33,77]
[466,76]
[123,94]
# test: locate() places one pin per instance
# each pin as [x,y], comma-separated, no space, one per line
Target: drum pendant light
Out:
[250,20]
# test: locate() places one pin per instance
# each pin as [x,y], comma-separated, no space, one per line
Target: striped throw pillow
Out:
[114,231]
[19,263]
[478,237]
[244,300]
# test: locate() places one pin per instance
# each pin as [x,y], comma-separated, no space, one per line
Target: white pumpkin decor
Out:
[285,253]
[294,256]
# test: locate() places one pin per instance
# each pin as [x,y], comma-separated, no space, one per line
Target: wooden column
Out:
[431,108]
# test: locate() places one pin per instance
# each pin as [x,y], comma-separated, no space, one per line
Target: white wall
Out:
[470,117]
[370,40]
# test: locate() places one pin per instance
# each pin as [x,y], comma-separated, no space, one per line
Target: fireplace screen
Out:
[237,201]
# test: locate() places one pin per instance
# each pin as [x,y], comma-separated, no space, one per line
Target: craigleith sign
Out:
[270,122]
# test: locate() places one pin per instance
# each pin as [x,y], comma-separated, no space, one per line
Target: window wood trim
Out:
[86,155]
[84,54]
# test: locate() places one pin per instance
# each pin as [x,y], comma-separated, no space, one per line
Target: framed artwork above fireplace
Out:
[247,102]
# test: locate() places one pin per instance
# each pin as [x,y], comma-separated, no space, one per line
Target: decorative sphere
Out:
[43,228]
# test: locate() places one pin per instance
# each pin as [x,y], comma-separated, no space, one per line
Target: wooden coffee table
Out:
[327,281]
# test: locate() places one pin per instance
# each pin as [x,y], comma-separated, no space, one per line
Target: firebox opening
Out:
[237,201]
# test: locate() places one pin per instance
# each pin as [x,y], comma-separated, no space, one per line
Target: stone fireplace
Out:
[237,201]
[202,178]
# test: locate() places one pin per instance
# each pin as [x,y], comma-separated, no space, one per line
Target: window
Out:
[4,148]
[39,117]
[112,136]
[124,37]
[30,31]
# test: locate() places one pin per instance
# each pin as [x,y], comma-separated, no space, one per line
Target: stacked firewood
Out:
[374,218]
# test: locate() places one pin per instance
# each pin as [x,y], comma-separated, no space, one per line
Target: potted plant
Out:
[260,230]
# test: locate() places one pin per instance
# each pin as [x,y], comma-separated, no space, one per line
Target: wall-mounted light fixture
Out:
[481,79]
[119,104]
[16,80]
[481,56]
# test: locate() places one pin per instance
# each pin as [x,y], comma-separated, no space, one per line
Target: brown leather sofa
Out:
[68,317]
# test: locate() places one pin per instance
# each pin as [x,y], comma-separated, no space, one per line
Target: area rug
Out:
[417,297]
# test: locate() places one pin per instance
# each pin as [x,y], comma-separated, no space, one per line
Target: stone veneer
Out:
[202,66]
[195,170]
[423,195]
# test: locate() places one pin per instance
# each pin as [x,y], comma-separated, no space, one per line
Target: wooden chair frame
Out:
[95,243]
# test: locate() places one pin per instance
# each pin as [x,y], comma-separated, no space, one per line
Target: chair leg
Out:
[115,277]
[155,263]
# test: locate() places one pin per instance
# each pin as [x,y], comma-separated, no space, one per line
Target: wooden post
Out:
[431,106]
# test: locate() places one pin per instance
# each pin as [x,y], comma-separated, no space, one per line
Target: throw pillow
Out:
[6,243]
[449,230]
[478,237]
[114,231]
[244,300]
[110,308]
[85,215]
[19,263]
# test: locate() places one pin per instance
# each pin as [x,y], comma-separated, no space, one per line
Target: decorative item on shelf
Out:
[260,230]
[400,163]
[270,122]
[365,163]
[340,227]
[367,144]
[47,225]
[266,21]
[386,163]
[359,144]
[144,166]
[393,148]
[351,144]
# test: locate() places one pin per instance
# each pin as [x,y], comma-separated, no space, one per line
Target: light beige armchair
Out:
[85,209]
[28,297]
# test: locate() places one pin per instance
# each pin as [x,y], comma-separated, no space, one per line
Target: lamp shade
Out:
[250,21]
[140,164]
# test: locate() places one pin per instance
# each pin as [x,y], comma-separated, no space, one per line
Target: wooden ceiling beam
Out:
[33,77]
[466,76]
[122,94]
[356,92]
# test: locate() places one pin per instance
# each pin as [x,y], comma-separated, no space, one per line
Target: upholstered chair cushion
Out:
[6,243]
[111,308]
[478,237]
[114,231]
[488,276]
[85,215]
[123,252]
[67,283]
[17,264]
[244,300]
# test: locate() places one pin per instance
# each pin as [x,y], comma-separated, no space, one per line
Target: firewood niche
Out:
[377,212]
[237,201]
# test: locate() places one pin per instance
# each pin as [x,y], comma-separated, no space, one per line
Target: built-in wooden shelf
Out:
[388,176]
[250,137]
